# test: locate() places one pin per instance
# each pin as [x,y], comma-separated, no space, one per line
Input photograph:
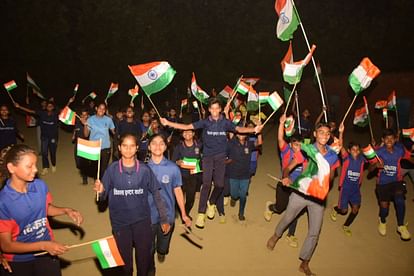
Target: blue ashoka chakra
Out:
[284,18]
[152,74]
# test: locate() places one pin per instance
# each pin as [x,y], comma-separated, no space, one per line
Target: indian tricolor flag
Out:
[370,154]
[336,145]
[289,126]
[112,90]
[189,163]
[10,85]
[251,81]
[252,100]
[198,93]
[75,90]
[380,104]
[67,116]
[408,133]
[263,96]
[92,95]
[385,113]
[35,87]
[195,104]
[292,72]
[275,101]
[89,149]
[107,253]
[314,180]
[361,117]
[153,76]
[242,88]
[288,19]
[288,58]
[363,75]
[184,103]
[392,101]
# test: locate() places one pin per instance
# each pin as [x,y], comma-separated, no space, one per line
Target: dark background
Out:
[61,43]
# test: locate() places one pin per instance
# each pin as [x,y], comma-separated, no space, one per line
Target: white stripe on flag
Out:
[107,253]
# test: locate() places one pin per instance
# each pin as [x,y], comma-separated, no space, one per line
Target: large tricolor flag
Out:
[288,19]
[292,72]
[408,133]
[10,85]
[198,93]
[112,90]
[314,180]
[107,253]
[275,101]
[392,101]
[288,58]
[361,117]
[153,76]
[35,88]
[67,116]
[89,149]
[363,75]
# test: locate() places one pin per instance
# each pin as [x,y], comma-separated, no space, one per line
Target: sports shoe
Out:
[267,213]
[53,169]
[333,214]
[222,219]
[242,217]
[232,202]
[160,257]
[44,171]
[200,221]
[226,200]
[292,241]
[347,230]
[404,234]
[211,210]
[382,228]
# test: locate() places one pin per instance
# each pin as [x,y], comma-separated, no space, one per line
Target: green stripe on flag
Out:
[160,83]
[100,254]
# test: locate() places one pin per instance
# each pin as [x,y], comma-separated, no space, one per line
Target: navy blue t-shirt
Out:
[181,151]
[129,127]
[214,134]
[8,133]
[240,154]
[48,123]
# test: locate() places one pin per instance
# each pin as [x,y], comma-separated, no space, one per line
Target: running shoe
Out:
[382,228]
[200,221]
[211,210]
[267,213]
[403,232]
[347,230]
[333,214]
[292,241]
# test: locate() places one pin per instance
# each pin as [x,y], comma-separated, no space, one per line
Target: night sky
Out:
[61,43]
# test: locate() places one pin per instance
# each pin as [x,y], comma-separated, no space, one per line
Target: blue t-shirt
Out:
[24,216]
[133,128]
[99,129]
[351,172]
[181,151]
[8,133]
[391,160]
[214,134]
[127,190]
[48,124]
[287,154]
[169,177]
[240,154]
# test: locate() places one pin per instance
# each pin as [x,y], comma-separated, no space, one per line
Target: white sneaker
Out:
[267,213]
[292,241]
[404,234]
[211,210]
[53,169]
[382,228]
[200,221]
[44,171]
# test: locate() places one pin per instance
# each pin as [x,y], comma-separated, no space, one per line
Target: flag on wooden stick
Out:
[288,19]
[107,253]
[89,149]
[362,76]
[67,116]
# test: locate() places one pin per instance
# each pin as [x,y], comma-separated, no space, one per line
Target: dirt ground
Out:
[237,248]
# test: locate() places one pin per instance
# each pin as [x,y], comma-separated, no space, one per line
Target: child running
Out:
[127,183]
[188,148]
[169,176]
[214,154]
[25,205]
[349,183]
[287,152]
[390,186]
[297,201]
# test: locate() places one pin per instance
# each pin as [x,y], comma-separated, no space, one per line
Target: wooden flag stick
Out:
[274,177]
[349,109]
[297,111]
[156,110]
[398,121]
[74,245]
[270,116]
[290,97]
[234,90]
[188,230]
[10,96]
[99,168]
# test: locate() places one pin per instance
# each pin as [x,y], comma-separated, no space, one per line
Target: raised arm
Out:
[165,122]
[341,130]
[25,109]
[256,129]
[281,131]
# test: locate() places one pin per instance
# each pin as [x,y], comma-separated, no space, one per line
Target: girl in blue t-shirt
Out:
[25,205]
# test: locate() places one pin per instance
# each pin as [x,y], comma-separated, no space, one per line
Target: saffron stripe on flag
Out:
[89,149]
[107,253]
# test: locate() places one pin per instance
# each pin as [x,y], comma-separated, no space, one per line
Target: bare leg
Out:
[304,267]
[271,243]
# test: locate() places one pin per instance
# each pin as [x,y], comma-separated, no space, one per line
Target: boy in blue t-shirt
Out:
[390,186]
[350,182]
[214,139]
